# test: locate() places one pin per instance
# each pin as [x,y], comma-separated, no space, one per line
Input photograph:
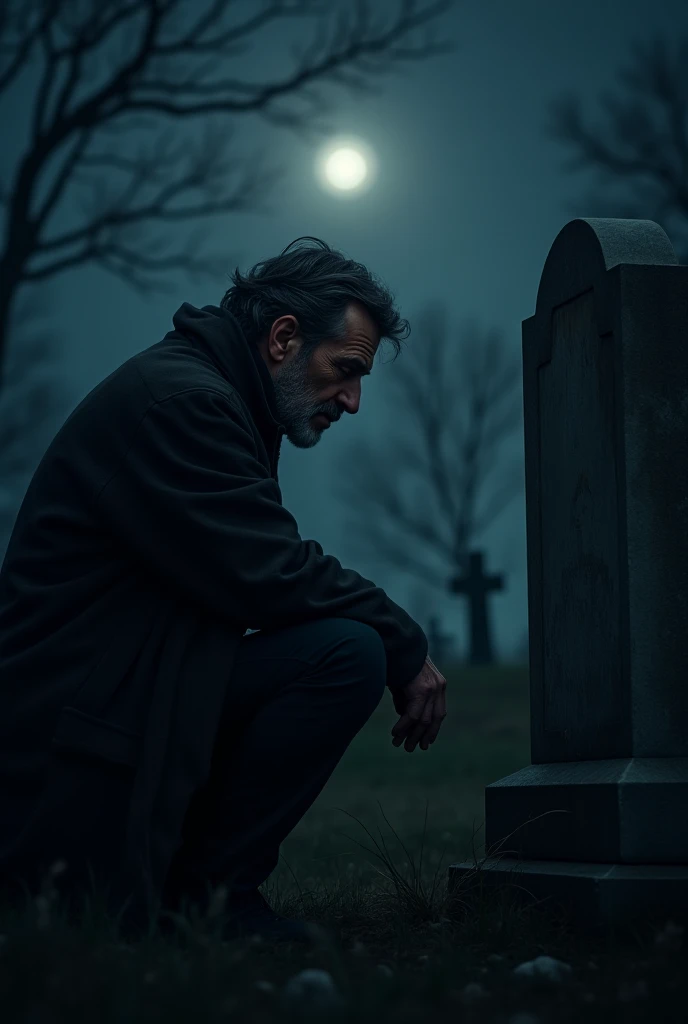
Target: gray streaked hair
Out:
[314,283]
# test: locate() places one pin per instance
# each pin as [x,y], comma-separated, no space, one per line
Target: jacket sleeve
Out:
[193,501]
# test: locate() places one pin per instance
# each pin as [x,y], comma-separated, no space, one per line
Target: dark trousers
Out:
[296,699]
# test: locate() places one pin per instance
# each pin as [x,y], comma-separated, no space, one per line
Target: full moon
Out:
[346,168]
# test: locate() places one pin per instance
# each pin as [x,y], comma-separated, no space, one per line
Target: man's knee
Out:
[365,650]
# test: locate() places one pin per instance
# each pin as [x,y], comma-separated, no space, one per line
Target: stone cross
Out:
[476,587]
[597,823]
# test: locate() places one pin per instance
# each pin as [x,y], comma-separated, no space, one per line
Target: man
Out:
[149,746]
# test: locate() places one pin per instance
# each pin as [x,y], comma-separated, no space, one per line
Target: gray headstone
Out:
[605,365]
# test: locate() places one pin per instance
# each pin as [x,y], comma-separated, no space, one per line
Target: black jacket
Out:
[151,537]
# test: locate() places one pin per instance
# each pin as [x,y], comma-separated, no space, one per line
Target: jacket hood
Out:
[218,333]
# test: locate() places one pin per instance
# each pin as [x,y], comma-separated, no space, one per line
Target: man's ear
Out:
[283,330]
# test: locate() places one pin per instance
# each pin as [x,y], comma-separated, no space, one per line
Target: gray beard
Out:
[296,403]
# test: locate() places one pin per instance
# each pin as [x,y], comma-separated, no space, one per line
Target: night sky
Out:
[469,196]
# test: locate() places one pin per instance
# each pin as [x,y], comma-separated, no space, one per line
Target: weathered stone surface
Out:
[605,364]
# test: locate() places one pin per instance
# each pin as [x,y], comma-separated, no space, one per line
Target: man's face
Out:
[312,392]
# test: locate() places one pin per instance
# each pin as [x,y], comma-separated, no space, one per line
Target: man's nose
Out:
[350,400]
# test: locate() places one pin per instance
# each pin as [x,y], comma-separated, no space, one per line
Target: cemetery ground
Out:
[368,865]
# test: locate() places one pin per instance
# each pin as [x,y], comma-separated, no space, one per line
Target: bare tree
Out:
[640,143]
[425,493]
[151,66]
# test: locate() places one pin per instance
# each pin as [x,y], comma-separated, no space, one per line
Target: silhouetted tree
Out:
[433,483]
[103,66]
[640,145]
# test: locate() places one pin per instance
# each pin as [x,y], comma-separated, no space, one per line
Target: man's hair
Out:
[314,283]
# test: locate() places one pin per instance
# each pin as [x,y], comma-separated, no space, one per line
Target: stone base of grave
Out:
[592,896]
[607,839]
[619,811]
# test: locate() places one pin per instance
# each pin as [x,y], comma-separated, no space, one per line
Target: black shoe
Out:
[249,914]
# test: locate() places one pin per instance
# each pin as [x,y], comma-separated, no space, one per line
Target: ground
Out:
[368,864]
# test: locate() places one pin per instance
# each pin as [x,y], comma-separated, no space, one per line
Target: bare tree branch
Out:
[424,374]
[510,486]
[191,41]
[22,25]
[365,465]
[459,400]
[355,47]
[62,177]
[642,142]
[162,59]
[377,545]
[105,235]
[203,170]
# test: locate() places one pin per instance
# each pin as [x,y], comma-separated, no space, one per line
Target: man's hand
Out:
[422,706]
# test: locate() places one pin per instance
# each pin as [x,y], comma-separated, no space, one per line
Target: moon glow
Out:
[346,167]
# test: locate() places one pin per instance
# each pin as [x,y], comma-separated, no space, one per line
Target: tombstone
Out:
[476,587]
[440,644]
[605,365]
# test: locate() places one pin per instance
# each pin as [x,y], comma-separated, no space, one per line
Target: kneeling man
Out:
[149,744]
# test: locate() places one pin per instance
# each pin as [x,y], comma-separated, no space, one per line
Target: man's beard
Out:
[296,402]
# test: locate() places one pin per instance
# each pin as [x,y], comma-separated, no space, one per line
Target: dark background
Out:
[469,196]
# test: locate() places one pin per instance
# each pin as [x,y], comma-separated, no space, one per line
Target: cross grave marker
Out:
[476,586]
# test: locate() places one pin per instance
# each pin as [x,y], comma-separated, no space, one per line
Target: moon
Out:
[346,167]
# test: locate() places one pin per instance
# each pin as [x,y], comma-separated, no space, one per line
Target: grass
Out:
[367,864]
